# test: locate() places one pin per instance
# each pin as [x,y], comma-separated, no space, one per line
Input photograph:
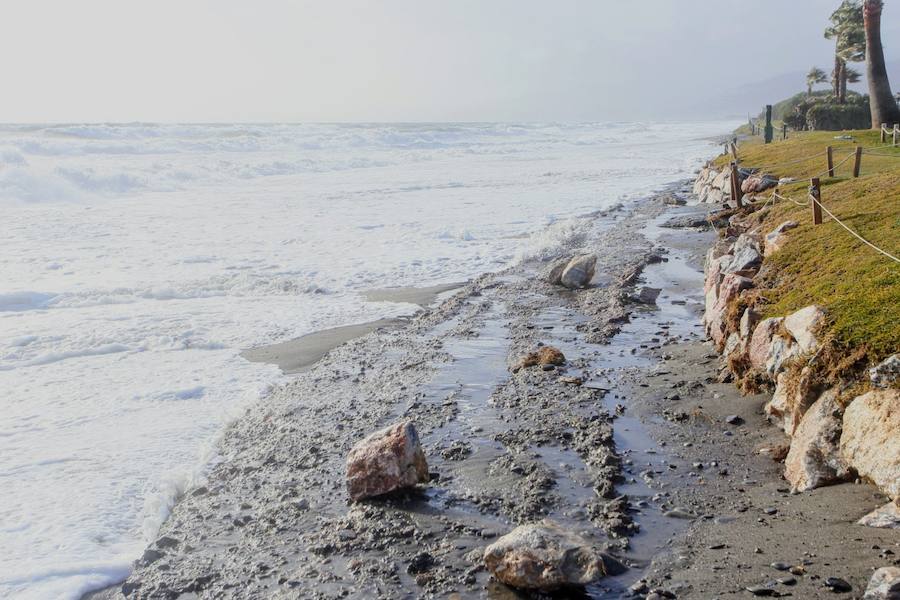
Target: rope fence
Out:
[814,196]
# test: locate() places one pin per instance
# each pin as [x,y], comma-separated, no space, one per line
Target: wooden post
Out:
[883,132]
[816,193]
[784,131]
[896,134]
[736,186]
[734,149]
[858,162]
[769,131]
[829,155]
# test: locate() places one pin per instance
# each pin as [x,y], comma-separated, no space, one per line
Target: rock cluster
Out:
[713,186]
[832,439]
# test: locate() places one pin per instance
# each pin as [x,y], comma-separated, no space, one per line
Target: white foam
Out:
[139,260]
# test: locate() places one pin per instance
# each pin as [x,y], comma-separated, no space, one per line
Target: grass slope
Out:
[824,264]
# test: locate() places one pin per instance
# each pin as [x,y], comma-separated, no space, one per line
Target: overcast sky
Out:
[396,60]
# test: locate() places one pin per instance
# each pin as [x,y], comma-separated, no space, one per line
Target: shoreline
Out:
[656,479]
[299,354]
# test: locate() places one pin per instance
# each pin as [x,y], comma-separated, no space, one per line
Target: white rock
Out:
[802,326]
[884,584]
[870,442]
[884,517]
[543,556]
[776,239]
[579,272]
[886,373]
[815,459]
[780,351]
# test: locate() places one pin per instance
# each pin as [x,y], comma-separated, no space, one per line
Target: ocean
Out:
[137,261]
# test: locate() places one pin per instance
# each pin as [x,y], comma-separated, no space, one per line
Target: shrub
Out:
[838,117]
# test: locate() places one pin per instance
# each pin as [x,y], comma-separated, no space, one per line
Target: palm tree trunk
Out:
[843,97]
[836,77]
[881,100]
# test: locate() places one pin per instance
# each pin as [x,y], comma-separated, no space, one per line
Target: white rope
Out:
[853,233]
[881,154]
[788,198]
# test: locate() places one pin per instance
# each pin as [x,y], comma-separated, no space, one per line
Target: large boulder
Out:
[793,396]
[758,183]
[815,459]
[748,323]
[777,237]
[884,584]
[883,517]
[781,350]
[387,460]
[761,340]
[554,274]
[886,373]
[745,258]
[716,315]
[543,557]
[803,326]
[579,272]
[870,442]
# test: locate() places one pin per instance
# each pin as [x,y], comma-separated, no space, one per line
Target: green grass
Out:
[824,264]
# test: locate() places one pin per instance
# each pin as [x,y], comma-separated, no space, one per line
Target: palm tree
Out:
[850,76]
[848,32]
[881,100]
[815,75]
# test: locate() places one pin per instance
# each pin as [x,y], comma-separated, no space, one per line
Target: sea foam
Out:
[139,260]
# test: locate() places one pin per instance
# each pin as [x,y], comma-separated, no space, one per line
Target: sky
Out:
[399,60]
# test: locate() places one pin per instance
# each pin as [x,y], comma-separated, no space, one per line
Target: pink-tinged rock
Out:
[777,407]
[760,340]
[714,274]
[748,323]
[730,288]
[387,460]
[884,517]
[884,584]
[544,557]
[802,325]
[778,236]
[870,442]
[758,183]
[815,458]
[790,402]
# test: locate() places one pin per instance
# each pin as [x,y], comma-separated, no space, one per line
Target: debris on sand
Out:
[547,355]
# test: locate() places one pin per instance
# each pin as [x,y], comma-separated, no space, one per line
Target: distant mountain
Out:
[751,98]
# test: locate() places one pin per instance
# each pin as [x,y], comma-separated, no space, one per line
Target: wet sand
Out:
[423,296]
[299,354]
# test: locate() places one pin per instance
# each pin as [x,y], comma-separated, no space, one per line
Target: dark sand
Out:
[298,355]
